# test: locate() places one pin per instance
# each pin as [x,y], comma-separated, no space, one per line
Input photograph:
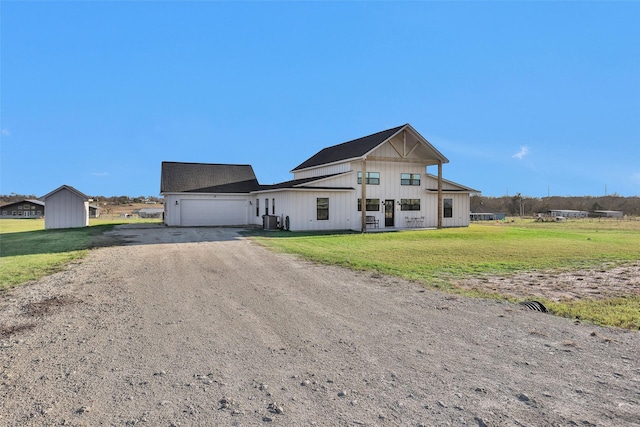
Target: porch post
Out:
[439,194]
[363,204]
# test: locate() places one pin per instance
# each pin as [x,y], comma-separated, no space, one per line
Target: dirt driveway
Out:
[202,327]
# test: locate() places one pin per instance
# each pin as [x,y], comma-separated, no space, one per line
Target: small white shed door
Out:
[194,212]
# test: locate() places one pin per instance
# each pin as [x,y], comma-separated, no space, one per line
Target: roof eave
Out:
[70,188]
[337,162]
[275,190]
[364,156]
[429,145]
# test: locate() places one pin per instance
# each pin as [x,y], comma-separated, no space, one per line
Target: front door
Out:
[389,213]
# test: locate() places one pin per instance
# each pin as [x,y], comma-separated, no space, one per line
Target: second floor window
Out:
[409,179]
[373,178]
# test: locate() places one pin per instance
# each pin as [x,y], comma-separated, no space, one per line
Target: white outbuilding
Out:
[66,208]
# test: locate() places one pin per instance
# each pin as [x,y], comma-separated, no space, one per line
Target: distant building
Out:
[568,213]
[607,214]
[28,208]
[486,216]
[150,213]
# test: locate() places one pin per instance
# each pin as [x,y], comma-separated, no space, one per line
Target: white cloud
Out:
[5,132]
[524,150]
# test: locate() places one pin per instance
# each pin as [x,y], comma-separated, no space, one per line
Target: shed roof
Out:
[177,177]
[302,184]
[458,187]
[359,147]
[68,188]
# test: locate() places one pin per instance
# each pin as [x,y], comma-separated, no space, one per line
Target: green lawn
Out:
[436,257]
[28,251]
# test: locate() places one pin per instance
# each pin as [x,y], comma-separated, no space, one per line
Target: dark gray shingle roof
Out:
[179,177]
[349,150]
[19,202]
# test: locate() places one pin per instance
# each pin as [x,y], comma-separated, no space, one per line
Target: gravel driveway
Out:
[203,327]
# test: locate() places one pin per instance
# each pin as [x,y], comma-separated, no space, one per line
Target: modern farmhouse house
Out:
[327,190]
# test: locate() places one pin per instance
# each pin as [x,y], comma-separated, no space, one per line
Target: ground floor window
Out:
[447,206]
[409,204]
[372,205]
[257,207]
[322,208]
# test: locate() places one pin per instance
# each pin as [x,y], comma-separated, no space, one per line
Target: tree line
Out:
[519,205]
[100,200]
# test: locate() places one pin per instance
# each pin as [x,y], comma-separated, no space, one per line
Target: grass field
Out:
[28,251]
[437,257]
[434,255]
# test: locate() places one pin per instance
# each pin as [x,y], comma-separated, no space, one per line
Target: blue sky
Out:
[531,97]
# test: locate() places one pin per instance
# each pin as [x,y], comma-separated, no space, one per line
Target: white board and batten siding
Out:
[322,171]
[66,209]
[460,215]
[301,208]
[460,199]
[192,210]
[300,205]
[343,214]
[390,188]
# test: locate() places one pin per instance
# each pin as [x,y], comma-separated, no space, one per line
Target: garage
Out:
[220,212]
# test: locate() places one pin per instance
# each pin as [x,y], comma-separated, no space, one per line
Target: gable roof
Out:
[359,147]
[348,150]
[69,188]
[19,202]
[179,177]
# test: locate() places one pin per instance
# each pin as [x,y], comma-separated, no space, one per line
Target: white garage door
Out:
[194,212]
